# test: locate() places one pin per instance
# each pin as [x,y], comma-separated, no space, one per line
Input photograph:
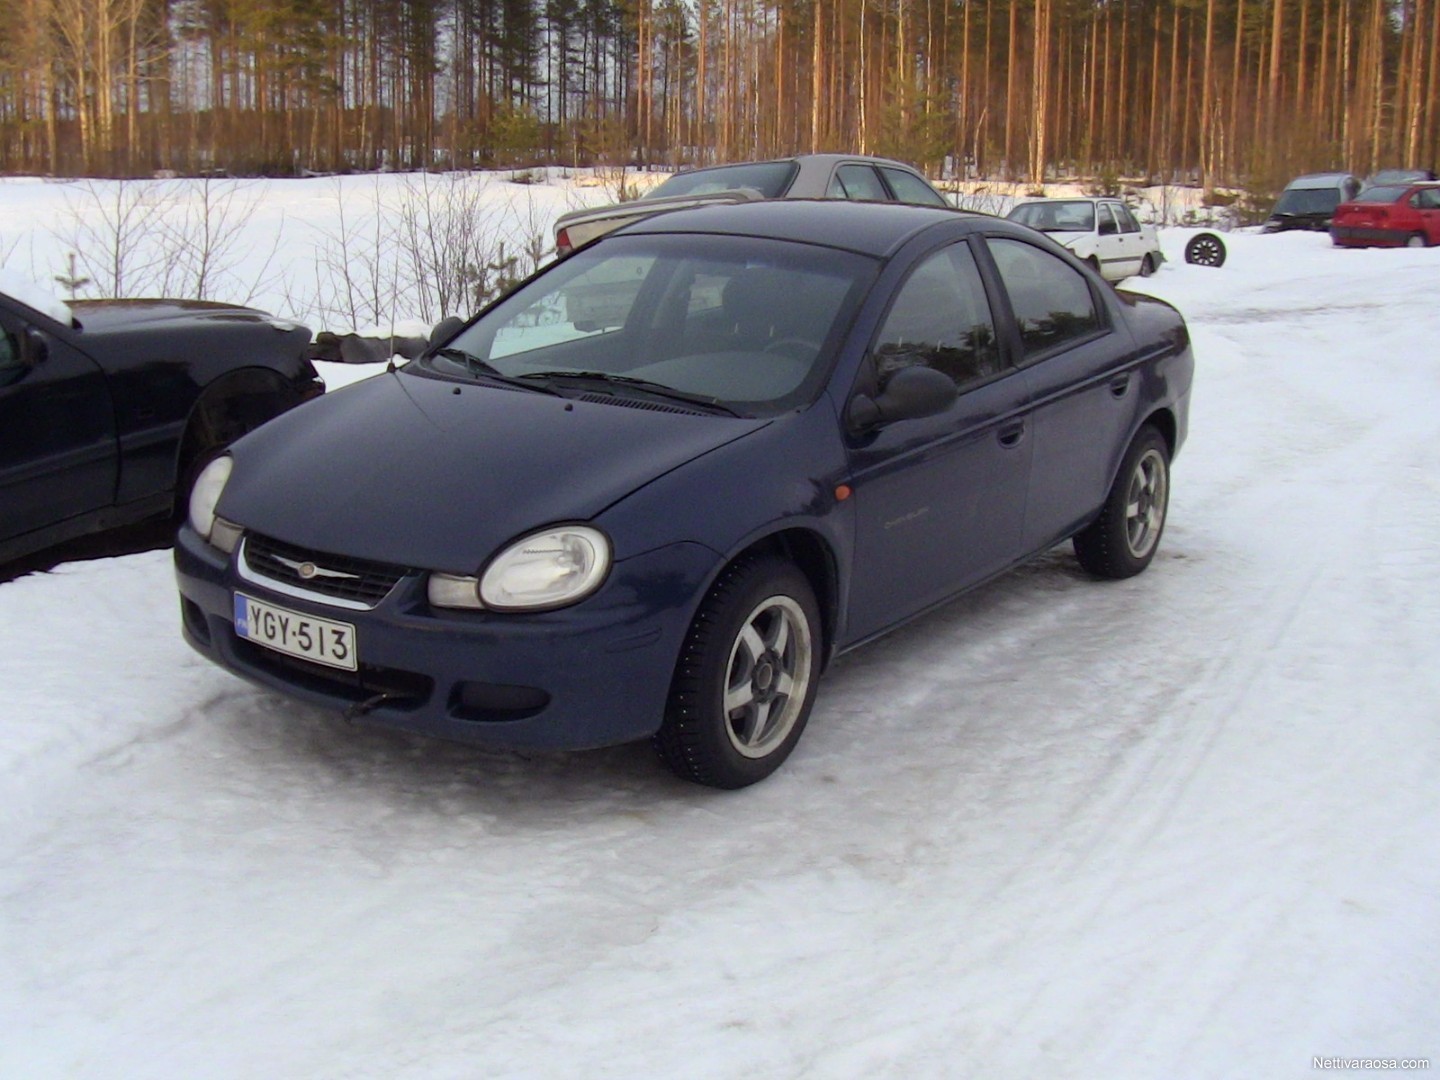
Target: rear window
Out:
[771,178]
[1382,194]
[1308,201]
[1056,216]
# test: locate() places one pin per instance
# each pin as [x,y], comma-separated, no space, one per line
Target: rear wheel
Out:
[746,676]
[1147,265]
[1416,240]
[1123,539]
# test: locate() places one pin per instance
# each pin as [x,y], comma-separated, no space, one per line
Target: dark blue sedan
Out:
[657,488]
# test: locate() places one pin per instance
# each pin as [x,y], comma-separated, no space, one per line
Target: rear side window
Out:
[1128,224]
[858,182]
[1051,299]
[941,319]
[909,188]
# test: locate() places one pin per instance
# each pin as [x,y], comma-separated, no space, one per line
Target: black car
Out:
[657,487]
[1308,202]
[109,408]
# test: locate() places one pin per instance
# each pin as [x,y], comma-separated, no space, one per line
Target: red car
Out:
[1389,215]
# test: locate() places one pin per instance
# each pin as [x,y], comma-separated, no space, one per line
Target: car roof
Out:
[1320,180]
[818,159]
[868,228]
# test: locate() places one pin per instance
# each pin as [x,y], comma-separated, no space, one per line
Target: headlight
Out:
[206,494]
[547,569]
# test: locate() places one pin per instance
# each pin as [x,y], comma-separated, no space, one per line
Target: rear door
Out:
[1112,248]
[1136,245]
[940,501]
[57,432]
[1082,386]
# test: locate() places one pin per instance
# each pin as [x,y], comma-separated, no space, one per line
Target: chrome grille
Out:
[340,576]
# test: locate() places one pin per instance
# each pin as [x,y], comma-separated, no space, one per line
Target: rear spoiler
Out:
[579,227]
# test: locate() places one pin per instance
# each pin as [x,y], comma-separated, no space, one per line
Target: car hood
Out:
[424,472]
[99,317]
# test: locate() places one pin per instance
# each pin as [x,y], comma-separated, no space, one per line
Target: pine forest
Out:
[1209,92]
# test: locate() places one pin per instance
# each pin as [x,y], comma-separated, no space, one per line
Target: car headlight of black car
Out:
[204,497]
[550,568]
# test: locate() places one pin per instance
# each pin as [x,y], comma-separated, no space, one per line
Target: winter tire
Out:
[1416,240]
[1123,539]
[1205,249]
[1147,265]
[746,676]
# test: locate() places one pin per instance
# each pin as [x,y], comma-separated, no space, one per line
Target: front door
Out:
[940,501]
[57,433]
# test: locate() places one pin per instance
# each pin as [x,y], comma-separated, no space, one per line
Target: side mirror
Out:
[911,393]
[34,348]
[445,329]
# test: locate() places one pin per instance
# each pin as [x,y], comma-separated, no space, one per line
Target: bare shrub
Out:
[110,226]
[202,239]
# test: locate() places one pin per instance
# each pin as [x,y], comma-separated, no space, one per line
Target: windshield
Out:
[1308,201]
[770,178]
[1076,215]
[738,325]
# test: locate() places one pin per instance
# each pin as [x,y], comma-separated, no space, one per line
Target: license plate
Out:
[320,641]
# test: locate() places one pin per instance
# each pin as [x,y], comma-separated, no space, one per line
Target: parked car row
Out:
[1391,208]
[651,492]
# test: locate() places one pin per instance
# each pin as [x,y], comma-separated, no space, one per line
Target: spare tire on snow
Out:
[1205,249]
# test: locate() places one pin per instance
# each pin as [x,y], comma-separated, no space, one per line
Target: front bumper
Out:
[595,674]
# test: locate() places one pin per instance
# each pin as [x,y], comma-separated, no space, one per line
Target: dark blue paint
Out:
[405,470]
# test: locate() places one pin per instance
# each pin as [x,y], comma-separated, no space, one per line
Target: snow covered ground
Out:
[1182,826]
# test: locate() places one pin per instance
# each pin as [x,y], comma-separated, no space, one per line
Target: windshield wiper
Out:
[645,385]
[475,366]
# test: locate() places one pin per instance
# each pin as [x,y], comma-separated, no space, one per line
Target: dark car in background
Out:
[1308,202]
[653,491]
[109,408]
[1389,215]
[856,177]
[1400,176]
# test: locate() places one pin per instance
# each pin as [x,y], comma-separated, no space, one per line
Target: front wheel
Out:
[1123,539]
[746,676]
[1416,240]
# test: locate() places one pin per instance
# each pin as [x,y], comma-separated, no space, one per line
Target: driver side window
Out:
[941,319]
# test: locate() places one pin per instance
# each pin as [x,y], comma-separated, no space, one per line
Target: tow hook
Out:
[369,705]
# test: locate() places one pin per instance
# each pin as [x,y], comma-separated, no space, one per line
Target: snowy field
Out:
[1186,825]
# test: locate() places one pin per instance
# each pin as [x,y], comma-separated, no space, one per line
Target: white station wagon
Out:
[1103,232]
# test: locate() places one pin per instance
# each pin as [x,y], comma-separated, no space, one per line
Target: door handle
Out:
[1011,434]
[1119,385]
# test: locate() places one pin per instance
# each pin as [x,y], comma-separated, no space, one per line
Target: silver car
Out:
[805,176]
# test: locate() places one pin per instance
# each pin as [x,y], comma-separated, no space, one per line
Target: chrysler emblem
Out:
[308,570]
